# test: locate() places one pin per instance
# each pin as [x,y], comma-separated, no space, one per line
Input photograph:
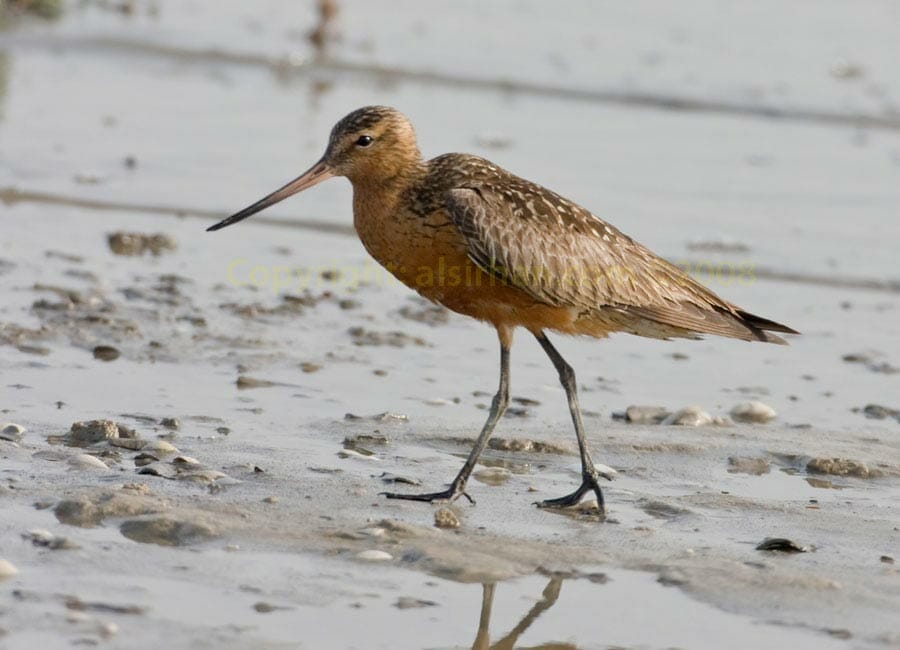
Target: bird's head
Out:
[372,145]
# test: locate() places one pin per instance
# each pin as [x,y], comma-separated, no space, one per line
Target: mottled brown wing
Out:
[562,255]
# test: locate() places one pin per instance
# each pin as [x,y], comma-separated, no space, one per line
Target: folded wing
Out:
[562,255]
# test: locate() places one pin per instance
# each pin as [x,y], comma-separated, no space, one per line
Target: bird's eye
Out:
[364,140]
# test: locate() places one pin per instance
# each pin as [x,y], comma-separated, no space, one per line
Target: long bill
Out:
[312,176]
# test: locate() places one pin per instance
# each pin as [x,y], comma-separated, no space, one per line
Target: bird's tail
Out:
[762,327]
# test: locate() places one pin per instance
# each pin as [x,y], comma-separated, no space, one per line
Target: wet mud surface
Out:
[196,428]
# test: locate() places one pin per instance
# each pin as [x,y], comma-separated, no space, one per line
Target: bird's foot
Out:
[450,494]
[588,483]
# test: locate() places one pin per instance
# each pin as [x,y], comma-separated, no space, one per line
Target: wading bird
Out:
[485,243]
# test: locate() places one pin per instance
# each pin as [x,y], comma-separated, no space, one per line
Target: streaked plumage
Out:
[561,255]
[470,235]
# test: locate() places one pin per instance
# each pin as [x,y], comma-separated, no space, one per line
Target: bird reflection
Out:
[4,74]
[508,642]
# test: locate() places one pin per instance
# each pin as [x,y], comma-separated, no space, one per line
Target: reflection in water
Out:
[323,34]
[320,37]
[4,76]
[508,642]
[318,88]
[10,13]
[12,9]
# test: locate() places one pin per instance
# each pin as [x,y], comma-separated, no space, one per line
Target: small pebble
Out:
[606,471]
[270,499]
[879,412]
[131,243]
[170,423]
[374,555]
[159,447]
[445,518]
[12,432]
[145,459]
[405,602]
[265,608]
[841,467]
[106,353]
[41,537]
[86,461]
[691,416]
[7,570]
[352,453]
[90,432]
[107,629]
[156,469]
[754,411]
[782,545]
[244,382]
[646,414]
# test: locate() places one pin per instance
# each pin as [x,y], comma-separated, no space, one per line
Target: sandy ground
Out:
[268,381]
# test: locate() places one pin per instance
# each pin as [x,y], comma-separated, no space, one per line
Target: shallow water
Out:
[216,109]
[313,600]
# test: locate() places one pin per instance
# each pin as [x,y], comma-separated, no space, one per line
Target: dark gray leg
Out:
[589,473]
[498,408]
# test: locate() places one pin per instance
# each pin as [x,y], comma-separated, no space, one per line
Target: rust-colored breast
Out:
[426,252]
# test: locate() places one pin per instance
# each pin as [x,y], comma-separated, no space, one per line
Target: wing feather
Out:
[562,255]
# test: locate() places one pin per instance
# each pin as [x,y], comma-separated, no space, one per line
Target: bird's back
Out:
[561,255]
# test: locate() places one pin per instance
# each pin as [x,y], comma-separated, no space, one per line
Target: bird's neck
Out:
[381,189]
[379,208]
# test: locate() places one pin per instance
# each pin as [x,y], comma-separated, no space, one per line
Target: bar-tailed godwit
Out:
[485,243]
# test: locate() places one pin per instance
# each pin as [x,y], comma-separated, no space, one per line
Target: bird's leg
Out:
[498,408]
[589,473]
